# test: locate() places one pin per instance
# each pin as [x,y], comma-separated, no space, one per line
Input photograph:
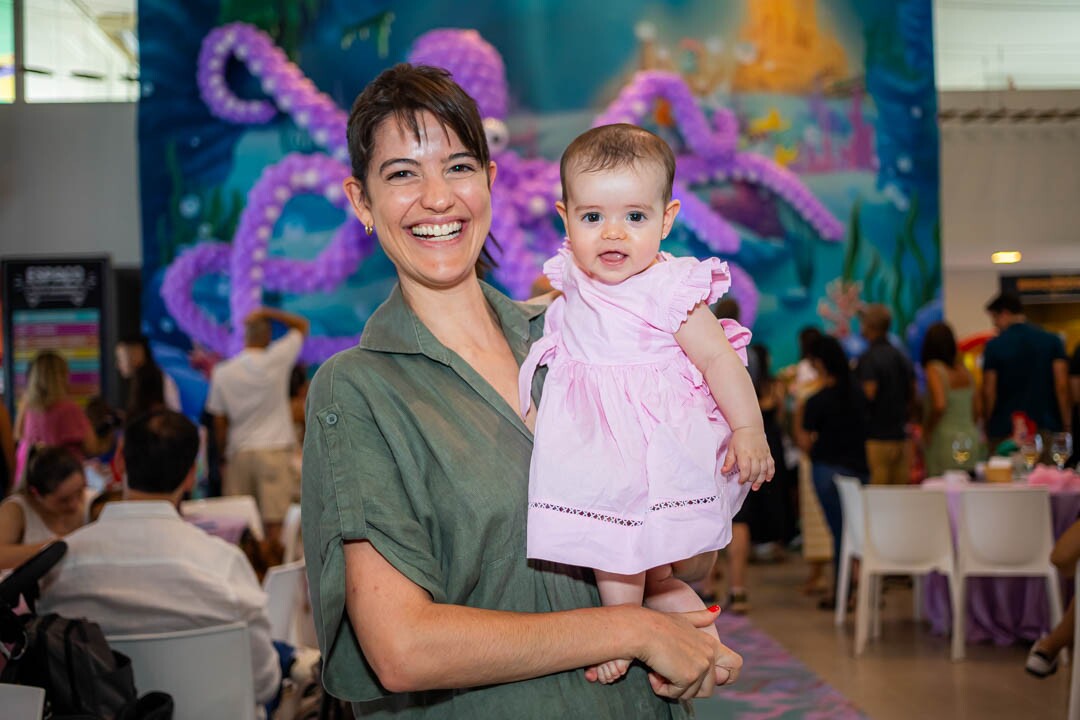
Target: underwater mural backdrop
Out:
[805,133]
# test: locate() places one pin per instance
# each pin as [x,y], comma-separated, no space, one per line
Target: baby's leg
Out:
[667,593]
[618,590]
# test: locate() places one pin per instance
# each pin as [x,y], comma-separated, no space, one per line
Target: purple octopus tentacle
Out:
[745,293]
[250,268]
[647,86]
[758,170]
[177,290]
[708,226]
[281,79]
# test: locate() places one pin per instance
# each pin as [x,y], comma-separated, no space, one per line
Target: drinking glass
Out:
[1060,448]
[962,447]
[1030,450]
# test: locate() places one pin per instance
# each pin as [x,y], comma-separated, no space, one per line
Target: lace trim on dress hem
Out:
[616,520]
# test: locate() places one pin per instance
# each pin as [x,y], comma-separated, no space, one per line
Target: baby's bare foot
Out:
[612,670]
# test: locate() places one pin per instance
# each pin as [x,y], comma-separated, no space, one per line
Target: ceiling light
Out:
[1005,257]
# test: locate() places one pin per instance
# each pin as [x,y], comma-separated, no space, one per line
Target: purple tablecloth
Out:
[226,527]
[1000,609]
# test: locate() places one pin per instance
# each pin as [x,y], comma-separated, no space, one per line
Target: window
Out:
[80,50]
[7,51]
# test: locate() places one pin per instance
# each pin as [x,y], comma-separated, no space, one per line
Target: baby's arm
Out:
[703,340]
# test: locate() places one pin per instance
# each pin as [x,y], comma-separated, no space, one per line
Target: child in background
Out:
[647,412]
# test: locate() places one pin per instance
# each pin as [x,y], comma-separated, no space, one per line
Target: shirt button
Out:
[331,419]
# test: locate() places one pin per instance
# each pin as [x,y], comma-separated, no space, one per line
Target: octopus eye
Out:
[498,135]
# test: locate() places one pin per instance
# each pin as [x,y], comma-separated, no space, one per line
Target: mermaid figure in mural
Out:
[523,199]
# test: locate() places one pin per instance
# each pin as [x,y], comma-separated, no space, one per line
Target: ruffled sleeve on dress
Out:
[555,267]
[692,282]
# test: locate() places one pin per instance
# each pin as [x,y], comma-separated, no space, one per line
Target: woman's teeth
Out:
[445,231]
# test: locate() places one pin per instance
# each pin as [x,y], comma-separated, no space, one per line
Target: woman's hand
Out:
[749,450]
[684,661]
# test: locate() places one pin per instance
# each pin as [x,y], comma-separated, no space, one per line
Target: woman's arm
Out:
[935,388]
[803,437]
[703,340]
[7,445]
[416,644]
[12,524]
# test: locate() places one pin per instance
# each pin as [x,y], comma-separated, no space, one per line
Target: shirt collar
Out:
[127,509]
[395,328]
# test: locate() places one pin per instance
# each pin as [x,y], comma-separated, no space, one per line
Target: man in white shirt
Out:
[249,399]
[142,569]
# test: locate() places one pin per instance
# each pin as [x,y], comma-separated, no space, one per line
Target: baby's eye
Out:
[636,217]
[591,217]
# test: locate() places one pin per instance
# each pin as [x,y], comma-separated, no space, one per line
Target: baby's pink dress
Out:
[625,472]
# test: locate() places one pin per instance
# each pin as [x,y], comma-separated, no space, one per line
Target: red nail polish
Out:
[714,608]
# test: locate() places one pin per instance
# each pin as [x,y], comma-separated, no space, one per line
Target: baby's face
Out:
[615,220]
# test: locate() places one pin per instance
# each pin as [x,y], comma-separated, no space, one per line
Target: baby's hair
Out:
[615,146]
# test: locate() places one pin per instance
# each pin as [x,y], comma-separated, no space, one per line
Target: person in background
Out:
[148,385]
[832,430]
[249,399]
[888,382]
[1024,370]
[1042,659]
[953,406]
[48,416]
[7,451]
[140,568]
[50,505]
[816,538]
[1074,396]
[298,389]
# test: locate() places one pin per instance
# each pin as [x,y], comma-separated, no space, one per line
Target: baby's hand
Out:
[749,450]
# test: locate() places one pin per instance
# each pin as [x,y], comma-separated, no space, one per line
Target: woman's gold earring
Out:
[369,229]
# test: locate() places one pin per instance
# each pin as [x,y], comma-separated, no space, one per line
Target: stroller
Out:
[83,678]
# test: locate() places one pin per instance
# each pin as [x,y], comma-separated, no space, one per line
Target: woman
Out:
[149,387]
[832,430]
[50,506]
[48,416]
[952,405]
[816,538]
[416,466]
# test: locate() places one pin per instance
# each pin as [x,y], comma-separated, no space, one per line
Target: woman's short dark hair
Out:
[939,344]
[159,451]
[404,92]
[48,467]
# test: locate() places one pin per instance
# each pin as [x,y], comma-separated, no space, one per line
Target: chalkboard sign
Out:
[58,304]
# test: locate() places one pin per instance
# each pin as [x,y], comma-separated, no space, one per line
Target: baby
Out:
[648,433]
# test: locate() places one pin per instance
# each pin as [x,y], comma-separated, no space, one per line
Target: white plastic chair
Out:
[285,589]
[1074,684]
[236,506]
[1004,531]
[851,540]
[906,532]
[290,535]
[22,702]
[207,671]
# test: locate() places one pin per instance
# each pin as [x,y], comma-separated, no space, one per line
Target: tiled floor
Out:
[907,673]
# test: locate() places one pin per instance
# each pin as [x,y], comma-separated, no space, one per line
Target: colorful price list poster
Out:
[55,304]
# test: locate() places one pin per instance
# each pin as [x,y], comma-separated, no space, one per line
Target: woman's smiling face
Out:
[429,198]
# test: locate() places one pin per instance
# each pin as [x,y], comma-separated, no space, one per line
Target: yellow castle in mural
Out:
[792,54]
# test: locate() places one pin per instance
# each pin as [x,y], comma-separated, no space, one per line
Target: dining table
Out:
[1000,609]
